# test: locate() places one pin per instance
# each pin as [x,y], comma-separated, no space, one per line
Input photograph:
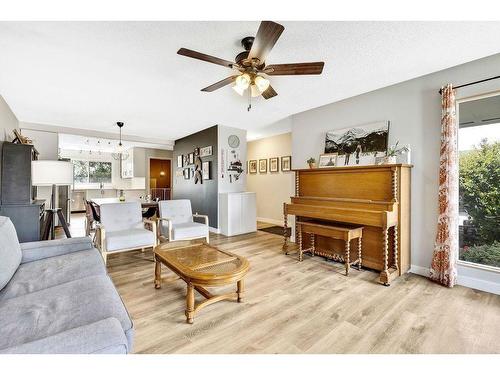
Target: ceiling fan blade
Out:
[267,36]
[204,57]
[269,93]
[218,85]
[294,69]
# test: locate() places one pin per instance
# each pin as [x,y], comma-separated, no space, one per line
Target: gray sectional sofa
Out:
[56,297]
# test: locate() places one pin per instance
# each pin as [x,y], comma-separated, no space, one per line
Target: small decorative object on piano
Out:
[311,162]
[392,153]
[327,160]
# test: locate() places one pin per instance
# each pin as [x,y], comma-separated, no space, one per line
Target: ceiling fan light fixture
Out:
[238,90]
[254,90]
[243,81]
[261,83]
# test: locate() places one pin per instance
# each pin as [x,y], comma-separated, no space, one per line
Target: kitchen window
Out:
[91,173]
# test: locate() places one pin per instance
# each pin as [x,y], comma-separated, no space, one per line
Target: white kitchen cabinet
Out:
[237,213]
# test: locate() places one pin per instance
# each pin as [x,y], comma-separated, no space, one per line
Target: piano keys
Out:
[376,197]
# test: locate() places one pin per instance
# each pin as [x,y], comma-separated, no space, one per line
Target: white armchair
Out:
[122,229]
[176,221]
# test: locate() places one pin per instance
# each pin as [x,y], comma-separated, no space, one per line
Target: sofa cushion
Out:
[129,239]
[45,249]
[54,310]
[45,273]
[103,337]
[10,251]
[188,230]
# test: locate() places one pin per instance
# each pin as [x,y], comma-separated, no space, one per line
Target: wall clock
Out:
[233,141]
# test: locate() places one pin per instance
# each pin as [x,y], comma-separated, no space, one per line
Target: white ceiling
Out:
[91,74]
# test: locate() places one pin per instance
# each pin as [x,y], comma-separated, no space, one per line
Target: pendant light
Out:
[120,152]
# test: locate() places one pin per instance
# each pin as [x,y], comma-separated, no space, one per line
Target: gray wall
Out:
[204,197]
[413,107]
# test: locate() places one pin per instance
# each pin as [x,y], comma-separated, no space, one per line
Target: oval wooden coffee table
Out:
[201,265]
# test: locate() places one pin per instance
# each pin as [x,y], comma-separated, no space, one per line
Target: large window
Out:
[91,172]
[479,186]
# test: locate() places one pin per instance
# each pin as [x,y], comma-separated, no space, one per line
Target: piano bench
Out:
[338,231]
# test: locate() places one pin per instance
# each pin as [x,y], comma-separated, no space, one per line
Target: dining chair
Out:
[122,228]
[176,221]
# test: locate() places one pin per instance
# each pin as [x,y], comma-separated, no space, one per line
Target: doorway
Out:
[160,178]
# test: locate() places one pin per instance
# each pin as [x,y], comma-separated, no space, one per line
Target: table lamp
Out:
[52,173]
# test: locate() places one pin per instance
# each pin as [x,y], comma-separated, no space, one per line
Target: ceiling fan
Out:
[250,65]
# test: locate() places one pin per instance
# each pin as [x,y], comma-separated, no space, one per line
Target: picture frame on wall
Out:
[180,161]
[206,151]
[185,160]
[252,166]
[327,160]
[262,165]
[273,165]
[187,173]
[191,158]
[286,163]
[196,151]
[205,170]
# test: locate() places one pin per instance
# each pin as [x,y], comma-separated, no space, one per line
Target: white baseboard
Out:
[467,281]
[422,271]
[270,221]
[474,283]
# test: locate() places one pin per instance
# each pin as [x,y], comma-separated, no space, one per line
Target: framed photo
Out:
[180,161]
[206,151]
[187,173]
[327,160]
[262,165]
[191,158]
[252,166]
[196,151]
[286,163]
[274,165]
[363,138]
[185,160]
[205,170]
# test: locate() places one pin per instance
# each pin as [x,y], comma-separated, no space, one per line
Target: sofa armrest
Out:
[104,336]
[45,249]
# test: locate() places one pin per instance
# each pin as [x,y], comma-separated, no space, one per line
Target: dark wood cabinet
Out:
[27,219]
[17,192]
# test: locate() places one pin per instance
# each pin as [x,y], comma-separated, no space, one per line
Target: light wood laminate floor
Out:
[308,307]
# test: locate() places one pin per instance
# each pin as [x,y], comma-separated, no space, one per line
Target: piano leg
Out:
[285,231]
[359,253]
[384,275]
[312,243]
[347,257]
[299,234]
[396,247]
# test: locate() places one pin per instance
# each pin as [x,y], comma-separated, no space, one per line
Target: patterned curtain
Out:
[444,259]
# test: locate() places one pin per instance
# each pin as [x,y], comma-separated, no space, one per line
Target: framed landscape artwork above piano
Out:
[358,145]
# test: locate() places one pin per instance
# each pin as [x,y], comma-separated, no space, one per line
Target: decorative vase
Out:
[122,197]
[389,160]
[312,165]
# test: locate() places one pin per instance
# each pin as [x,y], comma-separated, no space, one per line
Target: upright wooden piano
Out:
[376,197]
